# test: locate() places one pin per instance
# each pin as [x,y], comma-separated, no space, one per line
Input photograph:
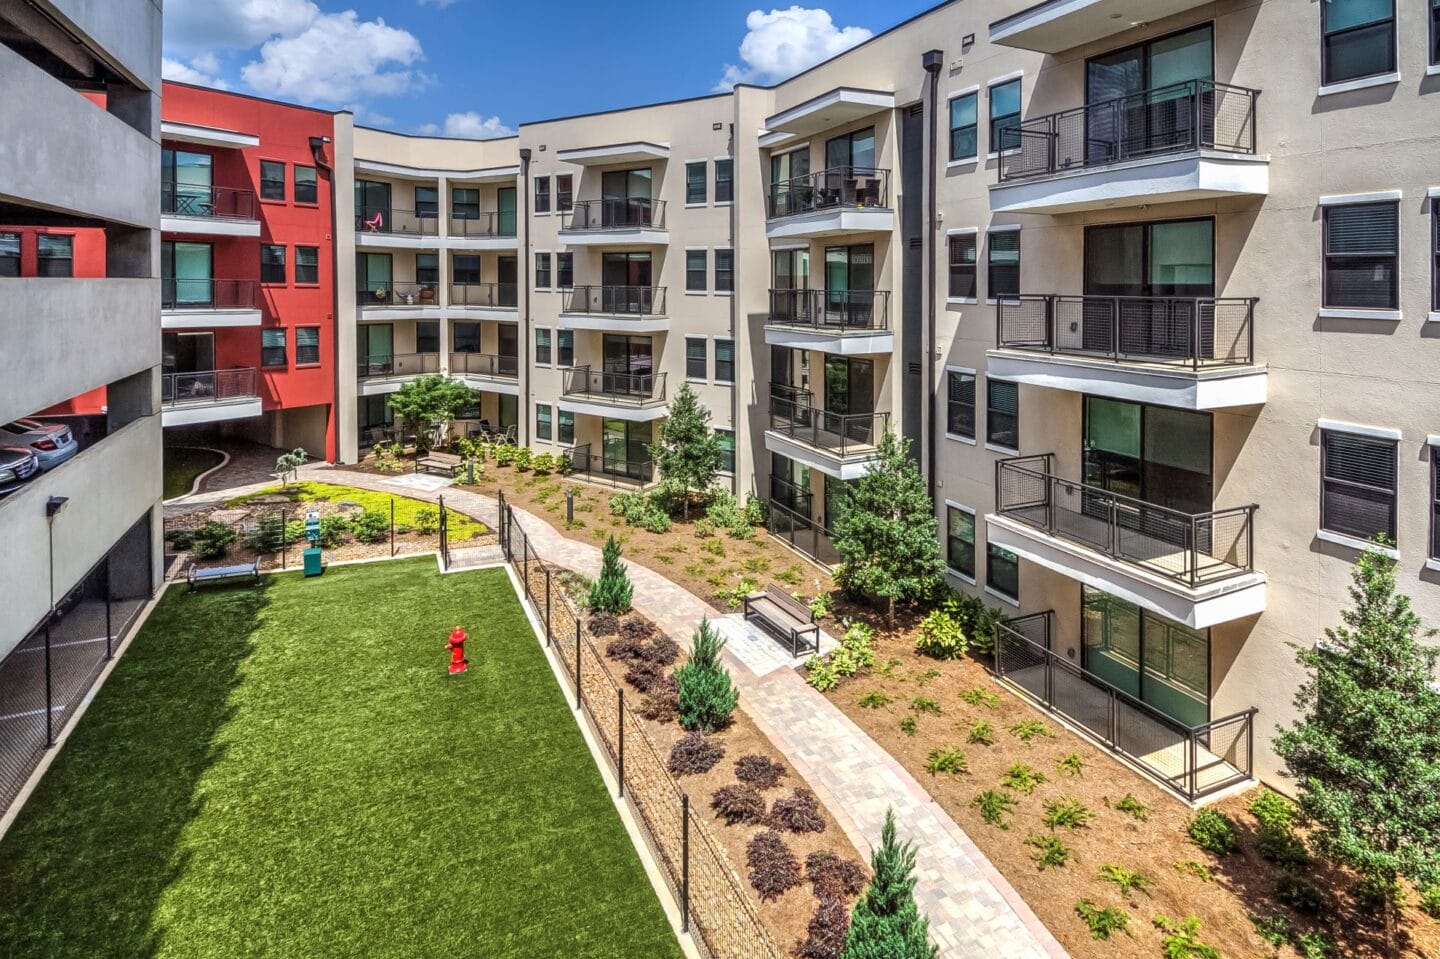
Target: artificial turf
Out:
[288,770]
[183,464]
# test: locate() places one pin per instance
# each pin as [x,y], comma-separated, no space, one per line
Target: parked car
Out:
[52,443]
[17,464]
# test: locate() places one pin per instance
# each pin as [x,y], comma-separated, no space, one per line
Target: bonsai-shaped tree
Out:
[707,696]
[688,452]
[886,923]
[429,404]
[1365,752]
[288,464]
[886,531]
[612,590]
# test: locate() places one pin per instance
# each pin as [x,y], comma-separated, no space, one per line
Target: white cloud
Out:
[234,24]
[368,117]
[781,43]
[200,71]
[337,58]
[471,126]
[442,4]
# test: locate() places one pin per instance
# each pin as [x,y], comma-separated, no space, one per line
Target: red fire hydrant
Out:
[456,645]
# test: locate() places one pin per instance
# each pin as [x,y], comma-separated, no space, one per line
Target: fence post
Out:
[547,607]
[620,724]
[109,633]
[49,710]
[284,542]
[684,862]
[392,526]
[578,699]
[1113,732]
[1193,762]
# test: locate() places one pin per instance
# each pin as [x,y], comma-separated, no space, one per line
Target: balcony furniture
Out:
[374,224]
[446,463]
[783,612]
[427,295]
[196,575]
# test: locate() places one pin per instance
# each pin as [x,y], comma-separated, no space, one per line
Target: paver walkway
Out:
[974,912]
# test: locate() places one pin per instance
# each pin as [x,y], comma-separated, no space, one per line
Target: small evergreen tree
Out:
[612,590]
[886,532]
[688,452]
[1365,753]
[886,922]
[707,696]
[429,404]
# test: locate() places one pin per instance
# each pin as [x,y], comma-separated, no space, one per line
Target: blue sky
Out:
[481,67]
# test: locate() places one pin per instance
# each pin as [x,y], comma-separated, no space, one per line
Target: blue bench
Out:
[196,575]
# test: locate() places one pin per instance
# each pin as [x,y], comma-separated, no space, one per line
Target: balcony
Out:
[606,470]
[637,397]
[1054,26]
[386,374]
[1195,353]
[207,303]
[837,444]
[1197,569]
[388,300]
[209,396]
[628,309]
[1187,141]
[486,371]
[829,203]
[208,211]
[394,228]
[848,322]
[788,520]
[486,301]
[482,231]
[631,221]
[1194,761]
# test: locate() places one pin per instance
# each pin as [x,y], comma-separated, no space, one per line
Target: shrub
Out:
[978,622]
[798,812]
[1312,945]
[946,759]
[1273,929]
[1071,765]
[604,624]
[640,509]
[268,536]
[212,540]
[738,803]
[735,596]
[1066,813]
[1213,832]
[1102,923]
[1369,893]
[855,652]
[1050,850]
[1182,940]
[1022,778]
[832,877]
[1299,893]
[694,753]
[637,628]
[660,651]
[1028,729]
[1272,809]
[1280,845]
[707,696]
[661,707]
[427,521]
[924,704]
[762,772]
[1430,901]
[622,649]
[908,727]
[1199,870]
[644,676]
[773,867]
[703,529]
[1125,880]
[727,514]
[333,529]
[981,734]
[980,696]
[1129,804]
[875,699]
[612,591]
[940,636]
[994,806]
[825,935]
[821,674]
[371,526]
[927,676]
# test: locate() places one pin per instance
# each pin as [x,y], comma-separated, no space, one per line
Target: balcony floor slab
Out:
[208,226]
[831,222]
[195,412]
[1157,383]
[850,466]
[617,409]
[186,318]
[1174,178]
[838,341]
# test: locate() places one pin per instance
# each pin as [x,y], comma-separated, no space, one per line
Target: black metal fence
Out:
[616,300]
[631,388]
[607,470]
[831,310]
[838,187]
[840,433]
[207,293]
[617,213]
[802,533]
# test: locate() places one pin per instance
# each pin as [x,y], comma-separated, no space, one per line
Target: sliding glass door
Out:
[186,183]
[1157,113]
[372,200]
[186,277]
[1160,662]
[849,285]
[625,198]
[625,279]
[1156,454]
[1162,273]
[629,364]
[849,397]
[625,448]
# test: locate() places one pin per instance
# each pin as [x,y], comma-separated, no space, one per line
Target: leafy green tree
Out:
[707,696]
[886,531]
[288,464]
[612,590]
[429,404]
[687,453]
[1365,753]
[886,923]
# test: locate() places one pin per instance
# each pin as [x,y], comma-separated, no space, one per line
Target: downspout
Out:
[932,60]
[317,151]
[522,416]
[736,288]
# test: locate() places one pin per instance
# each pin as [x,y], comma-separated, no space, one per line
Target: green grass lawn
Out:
[183,464]
[289,771]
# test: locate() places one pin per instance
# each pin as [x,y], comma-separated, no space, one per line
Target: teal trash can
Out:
[313,566]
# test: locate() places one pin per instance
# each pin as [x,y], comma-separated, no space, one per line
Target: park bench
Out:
[196,575]
[786,614]
[446,463]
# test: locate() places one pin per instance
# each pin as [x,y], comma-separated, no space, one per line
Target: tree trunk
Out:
[1390,946]
[685,504]
[890,611]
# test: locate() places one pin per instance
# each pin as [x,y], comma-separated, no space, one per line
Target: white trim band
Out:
[1359,429]
[1346,198]
[1354,542]
[1383,79]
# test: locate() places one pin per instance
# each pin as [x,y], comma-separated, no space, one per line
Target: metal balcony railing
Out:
[207,294]
[389,293]
[1194,761]
[802,533]
[617,300]
[843,434]
[1192,549]
[639,389]
[398,364]
[209,202]
[1179,118]
[608,470]
[207,386]
[835,188]
[503,296]
[831,310]
[483,225]
[485,364]
[1194,332]
[395,221]
[792,497]
[632,213]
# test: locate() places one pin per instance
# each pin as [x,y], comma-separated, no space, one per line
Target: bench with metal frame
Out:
[446,463]
[787,614]
[196,575]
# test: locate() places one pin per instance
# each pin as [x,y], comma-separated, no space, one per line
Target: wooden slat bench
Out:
[786,614]
[446,463]
[196,575]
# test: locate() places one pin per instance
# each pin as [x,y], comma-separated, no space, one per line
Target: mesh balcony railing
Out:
[1179,118]
[483,225]
[398,364]
[388,293]
[1195,761]
[207,294]
[617,300]
[502,296]
[831,310]
[209,202]
[606,469]
[638,389]
[395,221]
[843,434]
[1191,548]
[631,213]
[207,386]
[484,364]
[836,188]
[1196,332]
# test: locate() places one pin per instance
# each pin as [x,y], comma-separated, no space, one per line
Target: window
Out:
[727,449]
[1003,263]
[854,149]
[1357,39]
[564,192]
[427,336]
[963,127]
[9,254]
[306,190]
[960,540]
[465,203]
[1002,572]
[565,270]
[542,421]
[427,202]
[465,268]
[272,263]
[1435,32]
[272,180]
[55,255]
[427,269]
[1002,414]
[307,345]
[542,271]
[542,347]
[725,361]
[1435,242]
[697,357]
[724,271]
[542,194]
[695,182]
[696,267]
[1362,244]
[272,347]
[962,266]
[1004,116]
[466,337]
[565,347]
[567,427]
[307,266]
[1357,489]
[960,405]
[725,179]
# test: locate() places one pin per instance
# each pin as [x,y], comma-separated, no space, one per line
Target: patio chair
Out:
[374,224]
[510,434]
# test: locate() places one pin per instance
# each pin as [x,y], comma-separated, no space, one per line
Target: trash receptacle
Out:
[313,566]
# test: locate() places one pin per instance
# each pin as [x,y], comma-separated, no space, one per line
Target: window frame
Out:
[991,556]
[271,183]
[42,240]
[973,95]
[1326,256]
[315,280]
[1434,551]
[542,195]
[1326,481]
[991,431]
[1003,119]
[267,352]
[565,427]
[702,182]
[1435,239]
[564,348]
[991,295]
[301,359]
[564,198]
[544,274]
[565,270]
[19,242]
[973,237]
[724,282]
[952,404]
[544,341]
[727,450]
[703,359]
[728,377]
[1325,35]
[311,187]
[700,273]
[726,195]
[1434,58]
[464,209]
[544,425]
[953,509]
[279,267]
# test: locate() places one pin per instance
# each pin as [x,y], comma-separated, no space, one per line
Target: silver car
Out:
[16,466]
[52,443]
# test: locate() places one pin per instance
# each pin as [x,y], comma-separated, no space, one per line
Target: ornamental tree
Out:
[886,923]
[429,405]
[707,696]
[612,590]
[688,452]
[1365,753]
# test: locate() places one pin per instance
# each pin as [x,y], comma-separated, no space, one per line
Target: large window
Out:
[960,404]
[307,265]
[306,190]
[960,540]
[725,179]
[724,271]
[55,255]
[1158,661]
[272,180]
[465,203]
[854,149]
[427,336]
[1004,115]
[964,143]
[696,357]
[272,347]
[542,421]
[9,254]
[465,268]
[695,183]
[1002,263]
[272,263]
[1357,494]
[542,271]
[1435,33]
[542,194]
[185,278]
[1002,414]
[307,345]
[186,183]
[564,192]
[724,361]
[1358,39]
[1362,252]
[427,269]
[1002,572]
[1434,503]
[1158,454]
[542,347]
[696,268]
[962,266]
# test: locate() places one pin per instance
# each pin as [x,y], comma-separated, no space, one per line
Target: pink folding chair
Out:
[375,223]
